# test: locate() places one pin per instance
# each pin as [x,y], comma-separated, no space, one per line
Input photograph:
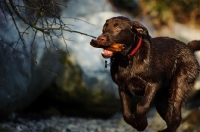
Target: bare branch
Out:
[73,31]
[15,23]
[13,48]
[39,15]
[34,59]
[24,20]
[79,20]
[3,11]
[60,4]
[46,30]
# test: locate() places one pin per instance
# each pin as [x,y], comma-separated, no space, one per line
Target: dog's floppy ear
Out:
[140,31]
[138,28]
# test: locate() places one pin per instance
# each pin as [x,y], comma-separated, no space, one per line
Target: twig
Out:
[60,4]
[22,36]
[25,21]
[34,59]
[46,30]
[79,20]
[3,11]
[13,48]
[73,31]
[9,10]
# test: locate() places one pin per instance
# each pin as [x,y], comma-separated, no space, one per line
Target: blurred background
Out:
[65,77]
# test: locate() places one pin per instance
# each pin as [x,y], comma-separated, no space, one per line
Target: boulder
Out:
[21,79]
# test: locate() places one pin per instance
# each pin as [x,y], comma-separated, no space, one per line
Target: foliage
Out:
[163,12]
[167,11]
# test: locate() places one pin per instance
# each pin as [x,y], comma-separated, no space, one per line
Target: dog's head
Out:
[120,36]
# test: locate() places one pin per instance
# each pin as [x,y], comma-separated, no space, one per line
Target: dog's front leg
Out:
[143,105]
[126,100]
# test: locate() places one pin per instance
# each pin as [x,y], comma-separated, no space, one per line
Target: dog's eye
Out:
[116,24]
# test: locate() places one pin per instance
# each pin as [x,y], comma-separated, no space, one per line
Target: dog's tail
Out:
[194,45]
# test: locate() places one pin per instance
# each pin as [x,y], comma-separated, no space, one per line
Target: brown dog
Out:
[161,69]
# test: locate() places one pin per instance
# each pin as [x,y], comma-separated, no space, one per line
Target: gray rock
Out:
[21,80]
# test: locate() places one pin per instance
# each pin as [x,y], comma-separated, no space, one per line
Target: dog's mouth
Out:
[107,53]
[108,50]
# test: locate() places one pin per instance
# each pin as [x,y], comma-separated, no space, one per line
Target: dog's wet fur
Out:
[163,70]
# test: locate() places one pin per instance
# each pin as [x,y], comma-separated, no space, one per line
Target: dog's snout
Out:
[102,39]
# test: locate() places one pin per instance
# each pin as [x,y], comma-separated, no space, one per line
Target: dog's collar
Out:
[134,51]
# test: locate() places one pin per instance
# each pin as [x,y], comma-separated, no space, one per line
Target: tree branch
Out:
[24,20]
[44,30]
[9,10]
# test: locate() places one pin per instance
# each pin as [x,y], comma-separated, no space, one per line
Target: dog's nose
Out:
[102,39]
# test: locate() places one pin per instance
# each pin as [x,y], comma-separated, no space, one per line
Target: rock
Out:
[69,95]
[21,80]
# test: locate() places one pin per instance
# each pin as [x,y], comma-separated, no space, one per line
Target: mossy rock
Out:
[69,95]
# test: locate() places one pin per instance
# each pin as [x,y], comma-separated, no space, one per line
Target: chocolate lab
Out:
[162,69]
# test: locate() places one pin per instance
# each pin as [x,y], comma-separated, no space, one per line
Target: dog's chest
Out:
[128,76]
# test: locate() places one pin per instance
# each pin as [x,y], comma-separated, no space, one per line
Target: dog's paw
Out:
[141,122]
